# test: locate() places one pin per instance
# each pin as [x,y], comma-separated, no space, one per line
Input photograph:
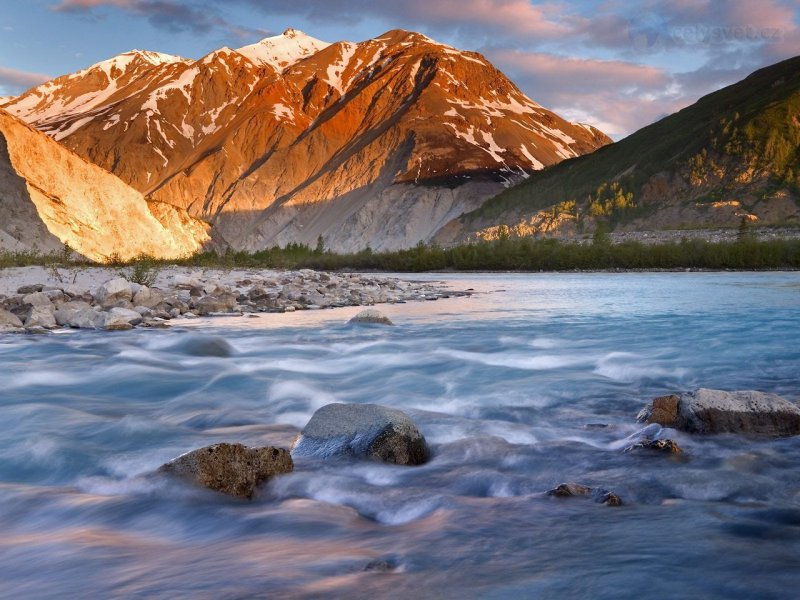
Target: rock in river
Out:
[232,469]
[716,411]
[362,430]
[567,490]
[371,316]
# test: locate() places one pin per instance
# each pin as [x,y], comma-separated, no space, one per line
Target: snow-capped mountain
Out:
[375,143]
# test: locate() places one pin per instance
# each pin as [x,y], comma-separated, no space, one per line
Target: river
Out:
[533,381]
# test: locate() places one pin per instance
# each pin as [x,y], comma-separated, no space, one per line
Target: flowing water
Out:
[533,381]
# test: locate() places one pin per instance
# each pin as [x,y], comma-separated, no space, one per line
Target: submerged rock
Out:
[371,316]
[665,446]
[204,346]
[599,495]
[362,430]
[717,411]
[232,469]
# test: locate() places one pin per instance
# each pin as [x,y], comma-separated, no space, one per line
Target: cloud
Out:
[13,81]
[616,96]
[615,63]
[171,15]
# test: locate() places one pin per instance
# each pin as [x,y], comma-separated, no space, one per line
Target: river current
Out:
[533,381]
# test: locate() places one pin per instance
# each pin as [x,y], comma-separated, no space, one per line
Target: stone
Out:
[88,318]
[381,565]
[371,316]
[215,304]
[200,345]
[37,299]
[67,313]
[41,316]
[364,431]
[119,319]
[706,411]
[665,446]
[232,469]
[114,290]
[9,322]
[599,495]
[147,297]
[30,289]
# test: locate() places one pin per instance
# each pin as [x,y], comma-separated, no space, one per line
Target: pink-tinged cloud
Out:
[581,73]
[78,5]
[20,80]
[616,96]
[517,17]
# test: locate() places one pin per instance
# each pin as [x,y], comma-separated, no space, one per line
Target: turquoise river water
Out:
[533,381]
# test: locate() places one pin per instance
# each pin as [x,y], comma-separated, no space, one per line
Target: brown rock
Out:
[716,411]
[665,410]
[601,496]
[666,446]
[232,469]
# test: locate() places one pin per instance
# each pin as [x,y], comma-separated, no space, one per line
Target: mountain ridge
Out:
[329,140]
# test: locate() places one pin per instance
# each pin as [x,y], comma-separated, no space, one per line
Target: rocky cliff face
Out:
[377,143]
[49,197]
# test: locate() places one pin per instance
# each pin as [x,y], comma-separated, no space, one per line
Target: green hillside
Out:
[742,141]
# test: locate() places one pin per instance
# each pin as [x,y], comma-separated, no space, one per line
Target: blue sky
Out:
[618,65]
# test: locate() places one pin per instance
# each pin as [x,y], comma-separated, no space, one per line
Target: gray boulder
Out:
[87,318]
[113,291]
[216,304]
[37,299]
[67,313]
[147,297]
[9,322]
[119,319]
[717,411]
[362,430]
[232,469]
[371,316]
[41,316]
[30,289]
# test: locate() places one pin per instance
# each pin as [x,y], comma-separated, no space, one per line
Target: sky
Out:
[615,64]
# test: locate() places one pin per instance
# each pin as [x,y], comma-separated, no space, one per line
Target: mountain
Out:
[49,197]
[375,143]
[732,157]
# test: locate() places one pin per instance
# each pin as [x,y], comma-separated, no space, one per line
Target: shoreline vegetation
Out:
[523,254]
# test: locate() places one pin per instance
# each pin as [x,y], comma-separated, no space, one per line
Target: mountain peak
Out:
[282,51]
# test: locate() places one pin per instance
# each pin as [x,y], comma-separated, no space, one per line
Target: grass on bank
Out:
[524,254]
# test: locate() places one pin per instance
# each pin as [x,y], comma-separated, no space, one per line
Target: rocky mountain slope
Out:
[731,158]
[49,197]
[375,143]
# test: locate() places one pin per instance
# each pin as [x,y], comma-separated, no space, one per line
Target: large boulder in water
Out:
[232,469]
[716,411]
[362,430]
[371,316]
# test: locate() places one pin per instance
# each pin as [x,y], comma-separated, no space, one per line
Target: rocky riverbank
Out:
[36,300]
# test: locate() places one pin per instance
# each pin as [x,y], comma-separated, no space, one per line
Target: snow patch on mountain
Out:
[335,72]
[282,51]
